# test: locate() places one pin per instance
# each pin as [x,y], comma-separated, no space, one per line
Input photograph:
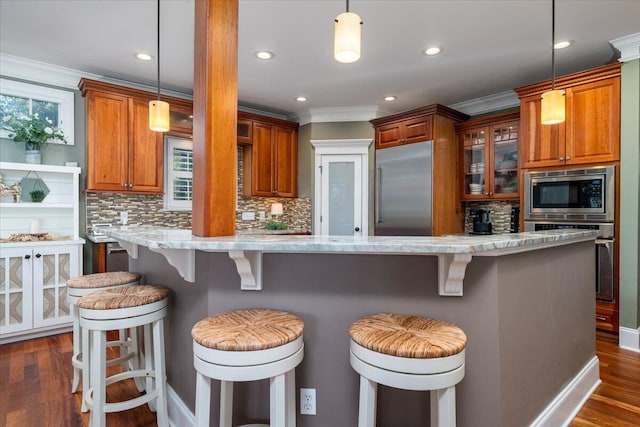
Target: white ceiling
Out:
[489,46]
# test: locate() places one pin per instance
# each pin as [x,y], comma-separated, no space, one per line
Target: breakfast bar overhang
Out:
[525,301]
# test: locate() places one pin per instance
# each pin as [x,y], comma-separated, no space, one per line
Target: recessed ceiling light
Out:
[301,98]
[144,56]
[431,51]
[389,98]
[563,44]
[264,54]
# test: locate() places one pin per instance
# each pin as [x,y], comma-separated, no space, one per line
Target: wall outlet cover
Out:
[248,216]
[307,401]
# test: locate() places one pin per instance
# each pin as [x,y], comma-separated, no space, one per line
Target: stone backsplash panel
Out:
[500,214]
[147,209]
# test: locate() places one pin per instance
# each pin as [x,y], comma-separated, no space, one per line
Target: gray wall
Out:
[529,328]
[630,195]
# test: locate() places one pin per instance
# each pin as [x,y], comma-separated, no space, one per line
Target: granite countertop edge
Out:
[168,238]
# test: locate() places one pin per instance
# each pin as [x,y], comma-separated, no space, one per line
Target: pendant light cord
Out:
[553,44]
[158,45]
[347,6]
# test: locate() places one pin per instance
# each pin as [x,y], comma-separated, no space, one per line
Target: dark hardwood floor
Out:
[35,388]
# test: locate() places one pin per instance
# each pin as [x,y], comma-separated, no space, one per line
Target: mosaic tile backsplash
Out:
[147,209]
[500,214]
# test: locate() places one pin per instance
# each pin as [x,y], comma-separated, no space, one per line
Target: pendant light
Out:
[552,106]
[158,110]
[346,46]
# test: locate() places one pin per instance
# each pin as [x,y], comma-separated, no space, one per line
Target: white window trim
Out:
[42,93]
[170,204]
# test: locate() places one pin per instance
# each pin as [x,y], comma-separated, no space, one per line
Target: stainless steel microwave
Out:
[571,194]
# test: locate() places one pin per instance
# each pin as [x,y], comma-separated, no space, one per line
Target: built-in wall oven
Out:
[576,198]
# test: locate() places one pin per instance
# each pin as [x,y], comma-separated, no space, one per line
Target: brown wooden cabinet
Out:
[591,132]
[123,154]
[435,123]
[404,131]
[273,160]
[489,158]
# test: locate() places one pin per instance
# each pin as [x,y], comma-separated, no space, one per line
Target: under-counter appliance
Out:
[605,260]
[404,185]
[586,194]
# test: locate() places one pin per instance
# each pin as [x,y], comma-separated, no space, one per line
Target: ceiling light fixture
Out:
[346,47]
[563,44]
[301,99]
[158,110]
[552,106]
[390,98]
[144,56]
[431,51]
[264,54]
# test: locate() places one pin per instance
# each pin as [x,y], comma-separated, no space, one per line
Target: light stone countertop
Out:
[246,249]
[167,238]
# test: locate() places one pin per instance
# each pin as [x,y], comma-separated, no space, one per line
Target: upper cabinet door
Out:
[286,162]
[542,145]
[145,151]
[417,130]
[107,141]
[262,167]
[593,122]
[389,135]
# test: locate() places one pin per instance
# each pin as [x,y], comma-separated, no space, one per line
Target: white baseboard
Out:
[629,339]
[179,414]
[568,402]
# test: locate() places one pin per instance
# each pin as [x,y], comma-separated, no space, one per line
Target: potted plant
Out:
[37,196]
[33,131]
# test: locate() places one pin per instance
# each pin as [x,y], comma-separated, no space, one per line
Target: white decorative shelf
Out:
[454,252]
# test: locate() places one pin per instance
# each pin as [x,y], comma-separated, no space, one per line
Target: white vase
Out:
[32,156]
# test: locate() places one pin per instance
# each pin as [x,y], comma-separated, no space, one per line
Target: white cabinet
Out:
[33,275]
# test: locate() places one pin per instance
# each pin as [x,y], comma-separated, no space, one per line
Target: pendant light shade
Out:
[552,109]
[158,110]
[347,37]
[158,116]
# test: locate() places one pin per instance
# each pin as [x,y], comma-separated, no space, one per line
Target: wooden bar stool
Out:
[248,345]
[409,353]
[84,285]
[123,308]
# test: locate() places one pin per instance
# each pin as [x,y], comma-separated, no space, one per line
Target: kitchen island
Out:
[526,302]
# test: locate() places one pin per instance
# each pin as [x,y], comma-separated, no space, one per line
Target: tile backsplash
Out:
[147,209]
[500,214]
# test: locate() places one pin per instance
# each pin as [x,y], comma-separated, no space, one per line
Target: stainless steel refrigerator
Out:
[404,184]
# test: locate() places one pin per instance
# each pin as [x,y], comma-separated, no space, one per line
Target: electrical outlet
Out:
[262,215]
[307,401]
[248,216]
[124,217]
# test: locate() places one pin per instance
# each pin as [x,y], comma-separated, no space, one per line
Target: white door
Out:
[342,212]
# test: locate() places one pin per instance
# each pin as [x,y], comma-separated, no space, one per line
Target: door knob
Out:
[357,229]
[38,255]
[27,256]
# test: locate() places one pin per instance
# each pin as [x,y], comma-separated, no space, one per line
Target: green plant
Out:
[276,225]
[36,195]
[32,130]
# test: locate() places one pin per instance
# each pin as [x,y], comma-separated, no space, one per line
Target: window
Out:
[179,174]
[26,98]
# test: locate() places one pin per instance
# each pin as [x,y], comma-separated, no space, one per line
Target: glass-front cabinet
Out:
[490,157]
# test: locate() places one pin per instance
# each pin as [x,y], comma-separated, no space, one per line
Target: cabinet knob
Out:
[38,255]
[561,158]
[567,158]
[27,257]
[357,228]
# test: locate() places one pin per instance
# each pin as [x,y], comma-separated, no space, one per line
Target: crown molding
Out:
[486,104]
[339,114]
[629,47]
[41,72]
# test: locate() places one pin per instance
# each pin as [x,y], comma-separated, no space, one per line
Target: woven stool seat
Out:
[247,330]
[408,336]
[134,296]
[103,280]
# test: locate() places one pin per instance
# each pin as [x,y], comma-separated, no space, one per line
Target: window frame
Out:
[170,203]
[64,98]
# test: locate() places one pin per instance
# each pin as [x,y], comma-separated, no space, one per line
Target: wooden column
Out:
[215,104]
